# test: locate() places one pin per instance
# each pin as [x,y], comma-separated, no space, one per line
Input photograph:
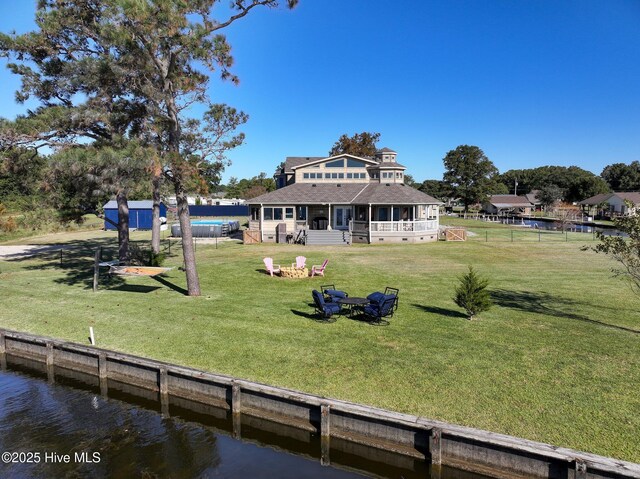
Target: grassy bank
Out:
[23,234]
[556,360]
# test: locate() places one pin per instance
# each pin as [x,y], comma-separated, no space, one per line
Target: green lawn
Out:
[556,360]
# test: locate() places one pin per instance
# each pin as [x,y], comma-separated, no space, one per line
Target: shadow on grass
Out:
[315,317]
[135,288]
[451,313]
[77,262]
[545,303]
[170,285]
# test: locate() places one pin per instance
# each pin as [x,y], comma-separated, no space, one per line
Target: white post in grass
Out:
[91,336]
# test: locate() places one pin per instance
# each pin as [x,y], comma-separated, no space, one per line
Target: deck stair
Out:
[328,237]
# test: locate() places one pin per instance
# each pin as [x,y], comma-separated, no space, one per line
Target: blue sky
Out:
[532,83]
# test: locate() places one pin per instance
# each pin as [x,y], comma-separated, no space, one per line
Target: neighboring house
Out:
[507,204]
[201,200]
[532,197]
[224,201]
[140,214]
[366,198]
[611,203]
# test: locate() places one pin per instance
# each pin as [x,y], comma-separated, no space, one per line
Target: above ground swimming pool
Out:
[208,228]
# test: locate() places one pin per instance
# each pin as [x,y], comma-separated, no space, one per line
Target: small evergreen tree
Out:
[472,294]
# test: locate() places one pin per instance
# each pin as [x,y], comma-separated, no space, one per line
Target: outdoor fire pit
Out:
[294,272]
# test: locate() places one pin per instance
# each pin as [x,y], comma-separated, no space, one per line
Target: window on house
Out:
[396,214]
[255,213]
[334,175]
[340,175]
[350,175]
[277,213]
[398,175]
[268,214]
[351,163]
[288,213]
[335,164]
[383,214]
[301,212]
[327,175]
[306,175]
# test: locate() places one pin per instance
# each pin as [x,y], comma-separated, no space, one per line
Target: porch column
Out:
[369,218]
[397,225]
[330,219]
[261,224]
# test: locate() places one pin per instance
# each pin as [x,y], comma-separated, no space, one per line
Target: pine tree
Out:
[472,294]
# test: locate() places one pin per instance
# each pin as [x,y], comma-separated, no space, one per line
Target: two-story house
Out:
[364,197]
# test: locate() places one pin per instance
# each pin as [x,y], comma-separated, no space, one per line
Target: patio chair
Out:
[271,268]
[323,308]
[319,270]
[300,263]
[381,309]
[332,294]
[392,291]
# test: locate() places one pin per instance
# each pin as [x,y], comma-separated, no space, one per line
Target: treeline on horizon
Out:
[25,183]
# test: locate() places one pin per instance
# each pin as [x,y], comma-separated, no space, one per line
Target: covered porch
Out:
[394,223]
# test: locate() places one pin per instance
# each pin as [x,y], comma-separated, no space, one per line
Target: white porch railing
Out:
[417,225]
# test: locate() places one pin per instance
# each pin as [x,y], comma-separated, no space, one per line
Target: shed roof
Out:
[133,205]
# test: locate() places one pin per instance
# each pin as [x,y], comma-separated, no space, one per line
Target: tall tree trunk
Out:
[123,227]
[188,252]
[155,224]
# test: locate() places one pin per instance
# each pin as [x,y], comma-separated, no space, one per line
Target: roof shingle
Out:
[345,193]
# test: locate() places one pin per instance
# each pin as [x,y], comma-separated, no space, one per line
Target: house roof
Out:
[346,193]
[310,193]
[387,165]
[532,197]
[393,193]
[508,201]
[386,150]
[633,196]
[597,199]
[133,205]
[321,159]
[295,161]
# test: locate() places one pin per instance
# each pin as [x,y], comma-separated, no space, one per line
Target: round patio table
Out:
[353,303]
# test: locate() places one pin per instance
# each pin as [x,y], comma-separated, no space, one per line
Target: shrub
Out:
[8,225]
[472,295]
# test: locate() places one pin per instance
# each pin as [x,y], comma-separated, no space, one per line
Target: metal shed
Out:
[140,214]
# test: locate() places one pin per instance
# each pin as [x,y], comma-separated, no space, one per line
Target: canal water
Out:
[58,423]
[550,225]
